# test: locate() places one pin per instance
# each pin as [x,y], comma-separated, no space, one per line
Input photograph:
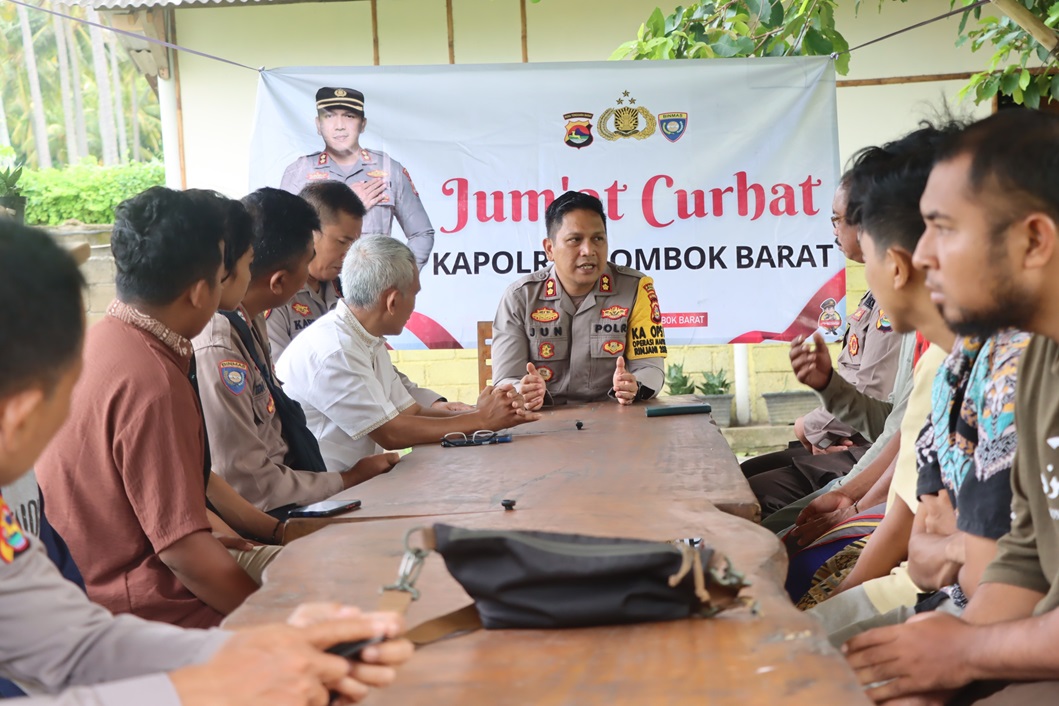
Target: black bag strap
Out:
[207,458]
[303,448]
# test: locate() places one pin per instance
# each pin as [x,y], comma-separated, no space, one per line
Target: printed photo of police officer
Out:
[380,181]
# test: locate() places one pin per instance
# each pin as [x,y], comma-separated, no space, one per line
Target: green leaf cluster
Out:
[85,192]
[9,180]
[1014,50]
[680,383]
[715,383]
[740,28]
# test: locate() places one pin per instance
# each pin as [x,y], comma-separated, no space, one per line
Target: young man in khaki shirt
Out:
[249,443]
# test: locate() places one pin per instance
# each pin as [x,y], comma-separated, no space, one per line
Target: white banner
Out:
[716,177]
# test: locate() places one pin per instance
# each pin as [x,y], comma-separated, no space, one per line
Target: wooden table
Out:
[622,475]
[618,452]
[779,656]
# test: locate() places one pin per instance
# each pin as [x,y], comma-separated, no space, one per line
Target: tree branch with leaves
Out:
[741,28]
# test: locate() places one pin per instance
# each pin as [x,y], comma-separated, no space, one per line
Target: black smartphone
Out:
[325,508]
[352,650]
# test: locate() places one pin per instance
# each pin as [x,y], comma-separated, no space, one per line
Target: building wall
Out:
[218,100]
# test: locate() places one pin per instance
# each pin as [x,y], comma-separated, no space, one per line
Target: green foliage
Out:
[1010,72]
[15,92]
[677,382]
[9,181]
[740,28]
[715,383]
[86,192]
[1020,66]
[680,383]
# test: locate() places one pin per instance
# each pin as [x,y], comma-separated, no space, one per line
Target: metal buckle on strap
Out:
[411,566]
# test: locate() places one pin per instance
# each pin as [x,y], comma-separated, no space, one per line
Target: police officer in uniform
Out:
[380,181]
[583,328]
[871,353]
[341,218]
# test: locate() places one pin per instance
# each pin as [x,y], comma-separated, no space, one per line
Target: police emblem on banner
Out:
[830,320]
[578,130]
[233,375]
[672,125]
[627,120]
[13,540]
[544,315]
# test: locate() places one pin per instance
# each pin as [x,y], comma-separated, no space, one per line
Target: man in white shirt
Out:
[340,372]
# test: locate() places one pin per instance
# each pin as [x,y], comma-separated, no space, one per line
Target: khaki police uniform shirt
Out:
[575,347]
[59,643]
[342,377]
[400,199]
[286,322]
[868,361]
[246,434]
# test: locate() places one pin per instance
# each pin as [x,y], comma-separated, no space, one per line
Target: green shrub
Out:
[715,383]
[677,382]
[86,192]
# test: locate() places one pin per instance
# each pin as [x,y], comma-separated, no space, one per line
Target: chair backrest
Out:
[485,353]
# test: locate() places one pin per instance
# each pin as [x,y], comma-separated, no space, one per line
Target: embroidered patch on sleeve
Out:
[13,540]
[234,374]
[647,335]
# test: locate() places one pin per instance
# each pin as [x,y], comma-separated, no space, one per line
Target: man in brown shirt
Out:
[126,474]
[69,651]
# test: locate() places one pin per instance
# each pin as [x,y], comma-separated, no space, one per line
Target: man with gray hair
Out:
[338,369]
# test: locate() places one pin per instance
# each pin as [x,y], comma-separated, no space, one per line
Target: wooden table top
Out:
[778,656]
[618,452]
[622,475]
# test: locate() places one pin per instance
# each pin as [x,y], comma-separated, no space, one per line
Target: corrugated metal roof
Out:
[148,4]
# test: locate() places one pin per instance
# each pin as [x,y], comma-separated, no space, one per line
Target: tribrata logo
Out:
[626,120]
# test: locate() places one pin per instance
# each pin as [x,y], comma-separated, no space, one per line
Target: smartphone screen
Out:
[325,508]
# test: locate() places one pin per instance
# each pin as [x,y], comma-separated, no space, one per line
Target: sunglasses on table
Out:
[478,438]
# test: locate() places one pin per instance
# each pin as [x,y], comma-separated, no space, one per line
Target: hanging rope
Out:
[912,27]
[135,35]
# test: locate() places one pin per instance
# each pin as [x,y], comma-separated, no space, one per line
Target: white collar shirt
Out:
[344,380]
